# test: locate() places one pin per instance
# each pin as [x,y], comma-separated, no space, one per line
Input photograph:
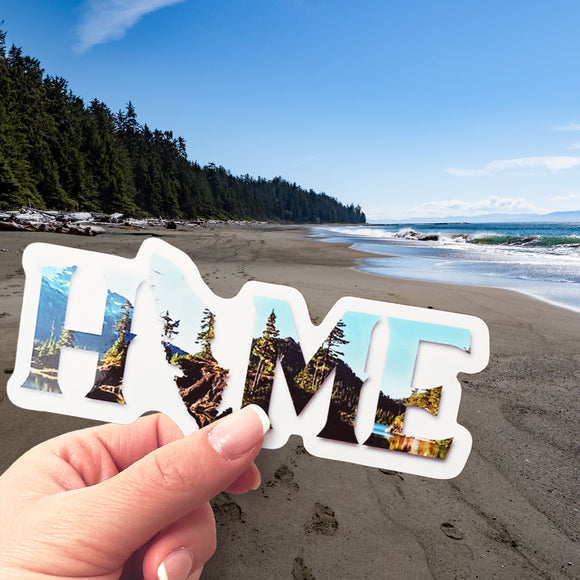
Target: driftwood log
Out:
[36,220]
[79,223]
[90,224]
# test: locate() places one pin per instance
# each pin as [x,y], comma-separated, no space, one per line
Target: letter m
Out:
[275,339]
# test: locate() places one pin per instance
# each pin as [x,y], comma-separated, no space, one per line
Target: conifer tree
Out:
[206,334]
[58,153]
[266,349]
[117,354]
[323,361]
[66,338]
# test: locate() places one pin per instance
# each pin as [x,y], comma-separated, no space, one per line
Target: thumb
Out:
[170,482]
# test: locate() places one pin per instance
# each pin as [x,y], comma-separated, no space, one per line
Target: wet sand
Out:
[513,511]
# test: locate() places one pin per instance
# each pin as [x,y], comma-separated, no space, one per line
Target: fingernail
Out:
[177,565]
[239,432]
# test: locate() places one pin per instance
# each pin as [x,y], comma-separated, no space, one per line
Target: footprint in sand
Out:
[300,450]
[451,531]
[322,521]
[301,571]
[226,510]
[284,476]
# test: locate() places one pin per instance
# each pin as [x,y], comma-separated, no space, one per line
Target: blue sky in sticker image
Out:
[123,283]
[284,319]
[404,349]
[409,109]
[174,296]
[357,332]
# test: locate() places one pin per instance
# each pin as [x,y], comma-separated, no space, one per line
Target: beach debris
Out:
[83,223]
[36,220]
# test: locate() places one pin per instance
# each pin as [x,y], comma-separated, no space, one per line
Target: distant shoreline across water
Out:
[538,259]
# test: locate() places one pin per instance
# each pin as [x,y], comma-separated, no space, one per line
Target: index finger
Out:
[127,444]
[98,453]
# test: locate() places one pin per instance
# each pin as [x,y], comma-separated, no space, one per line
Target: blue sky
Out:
[174,297]
[409,109]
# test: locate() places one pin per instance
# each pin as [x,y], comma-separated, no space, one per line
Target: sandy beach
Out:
[513,511]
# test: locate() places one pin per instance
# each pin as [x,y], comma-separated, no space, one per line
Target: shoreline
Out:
[512,512]
[415,261]
[547,301]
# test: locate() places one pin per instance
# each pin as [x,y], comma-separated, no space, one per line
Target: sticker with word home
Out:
[111,338]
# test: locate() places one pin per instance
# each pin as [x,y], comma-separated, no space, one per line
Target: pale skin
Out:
[126,501]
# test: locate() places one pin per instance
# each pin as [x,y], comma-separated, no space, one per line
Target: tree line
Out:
[56,152]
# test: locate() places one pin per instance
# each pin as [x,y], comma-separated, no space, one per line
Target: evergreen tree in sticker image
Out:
[262,366]
[50,335]
[169,329]
[203,380]
[45,361]
[343,350]
[309,380]
[111,365]
[351,335]
[392,405]
[188,330]
[429,400]
[206,335]
[388,430]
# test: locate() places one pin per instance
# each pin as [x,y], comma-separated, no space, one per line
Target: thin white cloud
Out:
[493,203]
[458,208]
[546,163]
[572,126]
[308,159]
[565,197]
[550,163]
[106,20]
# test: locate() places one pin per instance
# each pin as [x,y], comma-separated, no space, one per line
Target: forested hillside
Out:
[56,152]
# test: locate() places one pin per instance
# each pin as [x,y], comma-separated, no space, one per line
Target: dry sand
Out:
[512,513]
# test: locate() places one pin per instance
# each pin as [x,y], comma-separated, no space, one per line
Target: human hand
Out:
[124,501]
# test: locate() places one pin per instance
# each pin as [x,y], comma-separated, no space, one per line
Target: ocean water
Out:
[540,259]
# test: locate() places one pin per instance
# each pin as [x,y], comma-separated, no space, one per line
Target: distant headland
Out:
[552,217]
